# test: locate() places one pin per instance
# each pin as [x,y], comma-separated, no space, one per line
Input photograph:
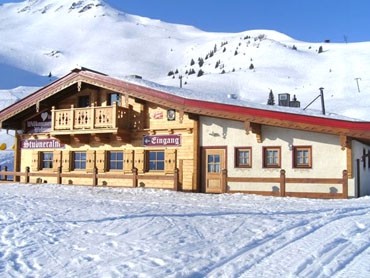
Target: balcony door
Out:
[213,162]
[83,101]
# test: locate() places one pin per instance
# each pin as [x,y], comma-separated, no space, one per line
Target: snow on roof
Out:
[223,98]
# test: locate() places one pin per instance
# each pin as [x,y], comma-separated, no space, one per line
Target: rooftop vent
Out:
[232,96]
[135,76]
[284,100]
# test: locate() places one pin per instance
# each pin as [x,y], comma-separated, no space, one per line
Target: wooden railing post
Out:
[27,176]
[59,175]
[345,184]
[224,180]
[95,176]
[4,177]
[53,118]
[92,116]
[5,170]
[134,177]
[114,115]
[282,183]
[72,119]
[176,180]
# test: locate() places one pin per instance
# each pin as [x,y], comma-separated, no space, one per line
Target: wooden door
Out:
[213,164]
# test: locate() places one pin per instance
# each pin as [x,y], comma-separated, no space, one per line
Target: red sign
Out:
[41,144]
[162,140]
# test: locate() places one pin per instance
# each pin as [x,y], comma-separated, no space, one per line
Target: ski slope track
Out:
[63,231]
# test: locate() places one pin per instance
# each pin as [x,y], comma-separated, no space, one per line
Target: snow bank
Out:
[64,231]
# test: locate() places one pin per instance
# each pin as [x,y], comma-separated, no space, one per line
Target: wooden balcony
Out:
[89,120]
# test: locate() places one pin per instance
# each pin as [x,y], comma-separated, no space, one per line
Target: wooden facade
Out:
[90,129]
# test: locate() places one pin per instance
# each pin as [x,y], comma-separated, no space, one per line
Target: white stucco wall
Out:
[328,159]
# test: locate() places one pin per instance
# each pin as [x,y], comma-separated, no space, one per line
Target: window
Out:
[271,157]
[302,157]
[214,163]
[79,160]
[114,98]
[46,160]
[155,160]
[115,160]
[83,101]
[243,157]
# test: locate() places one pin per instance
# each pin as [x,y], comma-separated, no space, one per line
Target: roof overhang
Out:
[10,116]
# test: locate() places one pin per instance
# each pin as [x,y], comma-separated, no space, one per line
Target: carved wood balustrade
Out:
[90,118]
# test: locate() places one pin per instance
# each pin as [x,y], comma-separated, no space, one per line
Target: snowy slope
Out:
[90,33]
[65,231]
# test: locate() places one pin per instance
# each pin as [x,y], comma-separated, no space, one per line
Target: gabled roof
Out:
[185,102]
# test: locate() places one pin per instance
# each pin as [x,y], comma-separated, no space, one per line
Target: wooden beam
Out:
[343,141]
[254,128]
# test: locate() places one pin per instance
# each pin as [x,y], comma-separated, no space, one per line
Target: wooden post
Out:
[1,177]
[59,175]
[134,177]
[92,116]
[53,118]
[27,177]
[95,176]
[72,118]
[282,183]
[224,180]
[176,180]
[345,184]
[114,115]
[5,170]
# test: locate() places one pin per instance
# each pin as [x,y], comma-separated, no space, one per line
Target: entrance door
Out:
[213,163]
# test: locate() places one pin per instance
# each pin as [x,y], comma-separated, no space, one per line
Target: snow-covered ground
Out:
[68,231]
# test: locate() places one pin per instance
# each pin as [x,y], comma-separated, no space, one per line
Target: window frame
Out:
[214,166]
[79,161]
[115,161]
[265,158]
[117,101]
[237,151]
[44,162]
[156,161]
[296,163]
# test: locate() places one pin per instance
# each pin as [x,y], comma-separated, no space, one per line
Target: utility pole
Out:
[180,77]
[358,86]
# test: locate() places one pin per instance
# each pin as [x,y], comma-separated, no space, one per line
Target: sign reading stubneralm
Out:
[162,140]
[41,144]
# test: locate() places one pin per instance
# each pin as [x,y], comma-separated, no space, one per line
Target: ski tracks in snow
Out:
[316,258]
[56,231]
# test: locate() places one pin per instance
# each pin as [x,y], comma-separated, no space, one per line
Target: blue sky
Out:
[307,20]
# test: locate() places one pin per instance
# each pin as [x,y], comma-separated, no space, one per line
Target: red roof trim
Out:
[242,110]
[199,104]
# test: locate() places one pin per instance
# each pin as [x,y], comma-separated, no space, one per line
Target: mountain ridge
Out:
[247,64]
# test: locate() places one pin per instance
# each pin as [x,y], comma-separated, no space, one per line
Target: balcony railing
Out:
[90,118]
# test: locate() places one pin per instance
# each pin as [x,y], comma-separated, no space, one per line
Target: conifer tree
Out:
[271,99]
